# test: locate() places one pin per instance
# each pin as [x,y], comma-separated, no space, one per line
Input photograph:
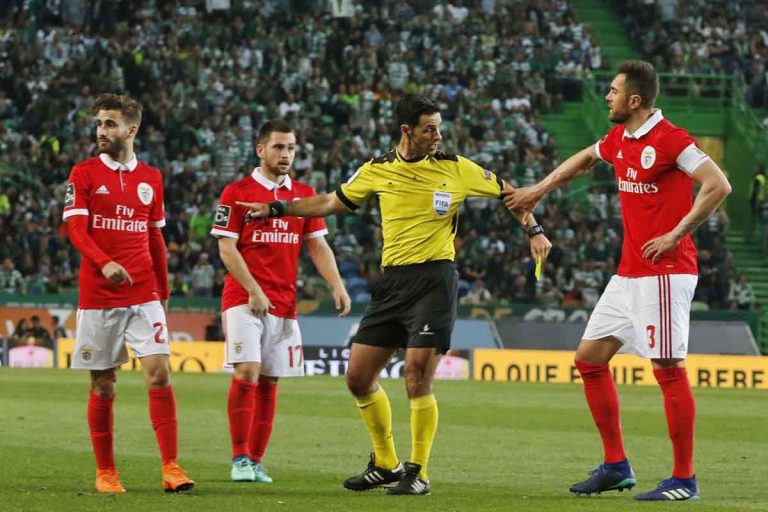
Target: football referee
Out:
[420,191]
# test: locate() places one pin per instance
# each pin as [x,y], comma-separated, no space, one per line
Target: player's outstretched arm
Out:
[525,198]
[322,256]
[315,206]
[714,189]
[233,260]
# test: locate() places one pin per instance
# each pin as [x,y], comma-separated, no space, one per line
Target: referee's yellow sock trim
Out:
[424,418]
[377,415]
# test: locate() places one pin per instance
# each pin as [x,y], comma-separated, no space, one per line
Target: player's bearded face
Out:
[618,101]
[278,153]
[112,132]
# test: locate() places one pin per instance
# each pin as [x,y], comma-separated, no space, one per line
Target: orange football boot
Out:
[108,482]
[175,479]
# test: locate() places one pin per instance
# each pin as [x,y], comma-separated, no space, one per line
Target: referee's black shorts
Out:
[412,306]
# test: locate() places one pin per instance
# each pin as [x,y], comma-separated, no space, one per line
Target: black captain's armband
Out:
[534,230]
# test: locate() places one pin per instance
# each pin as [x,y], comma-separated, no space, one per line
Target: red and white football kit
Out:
[270,248]
[647,305]
[120,204]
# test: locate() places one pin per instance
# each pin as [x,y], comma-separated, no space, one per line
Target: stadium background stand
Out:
[498,70]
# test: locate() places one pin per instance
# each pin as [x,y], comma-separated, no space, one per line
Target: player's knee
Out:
[247,373]
[103,383]
[158,378]
[103,388]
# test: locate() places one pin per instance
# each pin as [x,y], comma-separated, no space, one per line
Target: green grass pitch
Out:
[499,446]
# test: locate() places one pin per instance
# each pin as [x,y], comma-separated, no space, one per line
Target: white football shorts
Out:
[272,341]
[101,335]
[649,315]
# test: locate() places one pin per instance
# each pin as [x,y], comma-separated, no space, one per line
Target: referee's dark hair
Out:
[412,106]
[273,125]
[641,79]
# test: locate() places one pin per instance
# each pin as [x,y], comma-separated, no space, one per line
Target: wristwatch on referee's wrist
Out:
[277,208]
[534,230]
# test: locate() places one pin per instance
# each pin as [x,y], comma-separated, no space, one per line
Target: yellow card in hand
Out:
[537,271]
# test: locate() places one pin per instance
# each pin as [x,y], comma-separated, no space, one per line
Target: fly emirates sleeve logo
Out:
[278,234]
[122,221]
[630,185]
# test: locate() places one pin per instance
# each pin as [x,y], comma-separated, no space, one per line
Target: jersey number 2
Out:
[651,330]
[159,328]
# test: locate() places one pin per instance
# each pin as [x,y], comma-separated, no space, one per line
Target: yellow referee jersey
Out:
[419,202]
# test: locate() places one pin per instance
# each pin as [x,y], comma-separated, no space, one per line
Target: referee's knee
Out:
[360,385]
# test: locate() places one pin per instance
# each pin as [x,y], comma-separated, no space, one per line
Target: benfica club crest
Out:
[648,157]
[145,193]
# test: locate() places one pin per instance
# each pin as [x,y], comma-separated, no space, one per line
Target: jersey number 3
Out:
[651,330]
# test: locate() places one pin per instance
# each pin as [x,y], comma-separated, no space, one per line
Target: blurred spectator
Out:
[57,329]
[764,220]
[179,286]
[214,331]
[202,276]
[741,295]
[478,295]
[41,335]
[19,332]
[757,194]
[11,280]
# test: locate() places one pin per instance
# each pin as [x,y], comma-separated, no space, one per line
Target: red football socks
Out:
[263,418]
[162,413]
[603,400]
[680,407]
[100,424]
[240,411]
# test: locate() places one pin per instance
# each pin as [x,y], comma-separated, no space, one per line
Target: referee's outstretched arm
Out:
[315,206]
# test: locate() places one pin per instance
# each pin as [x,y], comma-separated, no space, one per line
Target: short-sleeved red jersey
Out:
[270,247]
[122,202]
[653,169]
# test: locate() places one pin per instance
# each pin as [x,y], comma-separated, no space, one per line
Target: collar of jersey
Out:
[115,166]
[412,160]
[269,184]
[647,126]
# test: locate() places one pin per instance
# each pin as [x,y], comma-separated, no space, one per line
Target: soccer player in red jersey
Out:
[645,308]
[263,341]
[114,209]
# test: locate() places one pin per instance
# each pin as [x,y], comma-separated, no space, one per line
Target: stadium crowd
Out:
[703,37]
[209,73]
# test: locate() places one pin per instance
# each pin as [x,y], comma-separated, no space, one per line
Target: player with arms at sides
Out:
[114,209]
[420,190]
[646,306]
[263,341]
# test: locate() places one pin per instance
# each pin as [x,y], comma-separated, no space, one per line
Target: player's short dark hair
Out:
[129,107]
[641,79]
[411,107]
[271,126]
